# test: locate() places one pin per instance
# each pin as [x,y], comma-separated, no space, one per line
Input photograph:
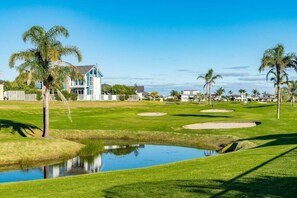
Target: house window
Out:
[91,81]
[91,92]
[79,91]
[95,72]
[91,72]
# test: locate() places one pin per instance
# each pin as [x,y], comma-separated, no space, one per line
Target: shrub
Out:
[122,98]
[38,95]
[73,96]
[65,94]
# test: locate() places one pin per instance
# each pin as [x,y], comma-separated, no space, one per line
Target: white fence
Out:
[16,95]
[20,95]
[30,97]
[97,97]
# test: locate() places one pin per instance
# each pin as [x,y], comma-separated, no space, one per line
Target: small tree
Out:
[154,94]
[123,91]
[175,94]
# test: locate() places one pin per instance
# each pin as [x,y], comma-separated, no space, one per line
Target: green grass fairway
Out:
[268,170]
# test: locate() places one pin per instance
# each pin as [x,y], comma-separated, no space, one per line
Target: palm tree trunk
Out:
[293,101]
[209,95]
[278,102]
[46,92]
[45,172]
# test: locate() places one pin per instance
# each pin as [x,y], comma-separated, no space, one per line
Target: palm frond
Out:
[21,56]
[65,103]
[71,51]
[34,34]
[56,31]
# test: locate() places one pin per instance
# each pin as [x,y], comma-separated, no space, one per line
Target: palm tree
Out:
[44,61]
[220,92]
[209,81]
[292,90]
[255,92]
[242,92]
[277,61]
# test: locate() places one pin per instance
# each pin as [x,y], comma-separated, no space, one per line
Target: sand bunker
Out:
[216,110]
[221,125]
[152,114]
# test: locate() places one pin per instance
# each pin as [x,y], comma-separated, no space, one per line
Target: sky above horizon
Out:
[163,45]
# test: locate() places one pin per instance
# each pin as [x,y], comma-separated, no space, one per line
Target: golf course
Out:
[263,166]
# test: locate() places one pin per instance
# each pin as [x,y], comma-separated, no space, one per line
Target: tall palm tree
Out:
[44,61]
[292,90]
[277,61]
[209,81]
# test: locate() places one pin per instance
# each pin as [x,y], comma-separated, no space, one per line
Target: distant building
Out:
[187,95]
[236,98]
[139,90]
[90,88]
[268,98]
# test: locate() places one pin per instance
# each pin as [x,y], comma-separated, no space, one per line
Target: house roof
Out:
[139,88]
[83,69]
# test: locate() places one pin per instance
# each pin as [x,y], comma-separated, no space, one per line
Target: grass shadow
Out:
[242,185]
[276,139]
[267,186]
[23,129]
[259,106]
[203,116]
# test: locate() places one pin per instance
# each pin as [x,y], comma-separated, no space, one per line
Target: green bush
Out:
[38,95]
[65,94]
[73,96]
[122,97]
[35,91]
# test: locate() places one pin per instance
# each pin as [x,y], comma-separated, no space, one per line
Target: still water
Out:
[113,158]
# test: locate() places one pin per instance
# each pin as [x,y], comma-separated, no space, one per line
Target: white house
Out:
[90,89]
[186,95]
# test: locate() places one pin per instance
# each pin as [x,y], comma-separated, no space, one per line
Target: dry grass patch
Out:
[14,152]
[157,137]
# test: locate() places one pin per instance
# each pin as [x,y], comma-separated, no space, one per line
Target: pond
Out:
[116,157]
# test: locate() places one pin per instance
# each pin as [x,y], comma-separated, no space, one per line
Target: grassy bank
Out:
[266,170]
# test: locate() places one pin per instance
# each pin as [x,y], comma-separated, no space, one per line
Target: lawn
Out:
[267,170]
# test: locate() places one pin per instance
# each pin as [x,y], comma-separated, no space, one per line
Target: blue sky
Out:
[162,45]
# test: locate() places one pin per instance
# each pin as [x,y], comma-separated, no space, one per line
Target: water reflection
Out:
[115,157]
[209,153]
[88,164]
